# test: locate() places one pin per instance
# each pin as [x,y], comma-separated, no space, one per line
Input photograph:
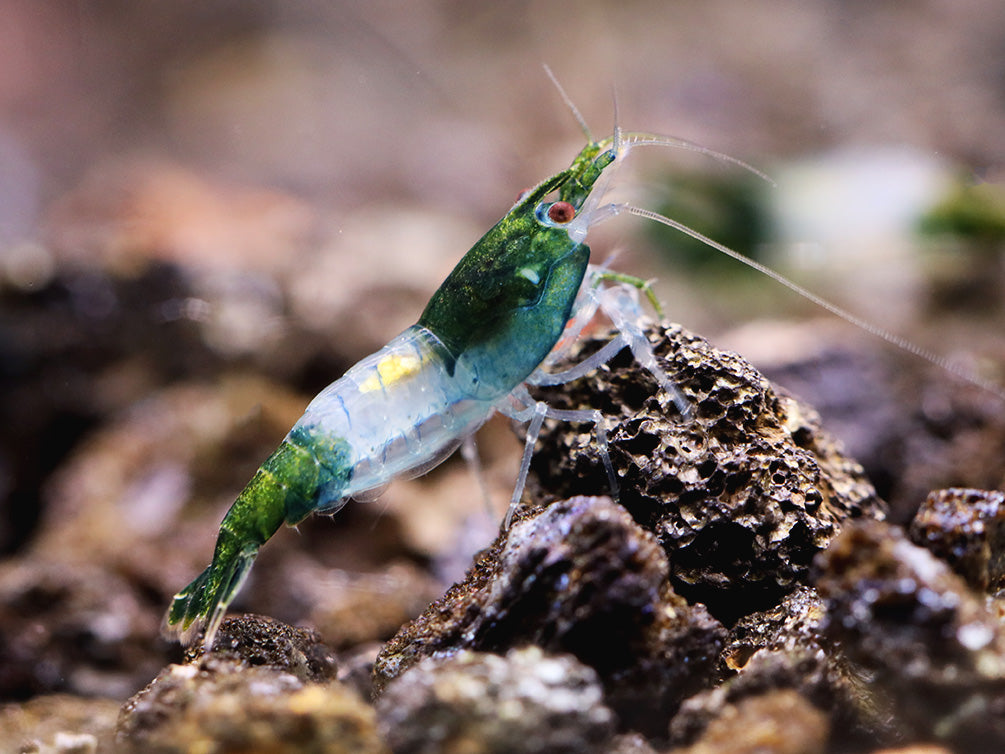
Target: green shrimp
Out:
[487,332]
[498,323]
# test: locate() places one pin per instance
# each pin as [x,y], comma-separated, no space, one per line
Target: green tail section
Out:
[204,602]
[254,517]
[285,488]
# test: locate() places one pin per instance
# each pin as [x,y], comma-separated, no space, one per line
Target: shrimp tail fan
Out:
[204,602]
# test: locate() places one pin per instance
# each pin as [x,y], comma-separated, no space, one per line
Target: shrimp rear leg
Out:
[469,452]
[536,412]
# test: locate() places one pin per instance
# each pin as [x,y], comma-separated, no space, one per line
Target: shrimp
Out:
[490,330]
[504,316]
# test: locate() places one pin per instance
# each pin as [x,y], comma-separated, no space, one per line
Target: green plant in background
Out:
[971,212]
[730,208]
[965,235]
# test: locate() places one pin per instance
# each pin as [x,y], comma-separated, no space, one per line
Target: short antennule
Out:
[616,137]
[569,103]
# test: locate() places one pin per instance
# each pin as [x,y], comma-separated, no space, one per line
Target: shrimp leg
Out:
[536,412]
[620,303]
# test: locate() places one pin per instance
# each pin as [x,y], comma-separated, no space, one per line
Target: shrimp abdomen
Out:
[397,410]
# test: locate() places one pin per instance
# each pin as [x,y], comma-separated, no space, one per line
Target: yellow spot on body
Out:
[530,274]
[391,369]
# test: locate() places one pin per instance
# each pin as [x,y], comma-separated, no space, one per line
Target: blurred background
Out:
[208,210]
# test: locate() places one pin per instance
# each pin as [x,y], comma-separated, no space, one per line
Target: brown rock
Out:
[58,723]
[914,429]
[934,651]
[779,722]
[257,640]
[578,577]
[966,528]
[741,496]
[222,705]
[784,647]
[792,624]
[481,703]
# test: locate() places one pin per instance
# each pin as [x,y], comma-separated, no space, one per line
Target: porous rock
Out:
[741,495]
[778,722]
[58,724]
[784,647]
[934,651]
[791,625]
[479,702]
[914,429]
[263,686]
[966,528]
[578,577]
[778,649]
[768,672]
[257,640]
[219,705]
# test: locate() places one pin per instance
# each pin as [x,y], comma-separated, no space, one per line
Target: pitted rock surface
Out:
[741,495]
[933,650]
[526,701]
[579,577]
[966,528]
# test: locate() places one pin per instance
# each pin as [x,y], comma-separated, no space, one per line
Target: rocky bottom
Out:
[744,593]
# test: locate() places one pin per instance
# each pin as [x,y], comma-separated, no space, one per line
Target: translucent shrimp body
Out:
[490,329]
[399,413]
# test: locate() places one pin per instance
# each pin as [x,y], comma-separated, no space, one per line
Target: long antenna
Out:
[636,139]
[643,139]
[930,356]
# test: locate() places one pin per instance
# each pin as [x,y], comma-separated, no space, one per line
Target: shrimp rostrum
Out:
[489,331]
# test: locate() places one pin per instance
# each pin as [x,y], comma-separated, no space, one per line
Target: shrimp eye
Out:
[561,212]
